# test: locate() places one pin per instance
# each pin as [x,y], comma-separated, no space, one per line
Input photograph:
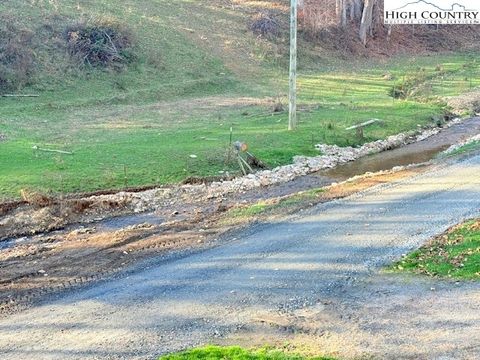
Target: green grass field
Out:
[454,255]
[235,353]
[199,73]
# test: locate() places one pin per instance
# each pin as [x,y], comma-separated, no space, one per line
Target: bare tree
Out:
[356,8]
[366,26]
[364,15]
[341,12]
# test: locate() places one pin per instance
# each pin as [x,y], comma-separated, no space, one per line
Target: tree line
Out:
[365,15]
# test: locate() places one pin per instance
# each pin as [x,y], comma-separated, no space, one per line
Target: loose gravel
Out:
[326,262]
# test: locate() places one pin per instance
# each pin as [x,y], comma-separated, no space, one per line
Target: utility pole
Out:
[292,117]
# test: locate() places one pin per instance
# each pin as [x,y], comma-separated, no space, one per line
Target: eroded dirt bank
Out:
[33,266]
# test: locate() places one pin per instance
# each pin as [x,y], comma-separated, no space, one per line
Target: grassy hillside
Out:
[199,72]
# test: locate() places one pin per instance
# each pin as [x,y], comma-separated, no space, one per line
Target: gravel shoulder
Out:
[313,278]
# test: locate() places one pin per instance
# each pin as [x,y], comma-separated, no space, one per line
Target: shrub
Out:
[16,56]
[105,44]
[265,25]
[411,86]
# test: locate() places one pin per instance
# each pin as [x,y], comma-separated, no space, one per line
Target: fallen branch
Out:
[273,113]
[19,95]
[366,123]
[52,150]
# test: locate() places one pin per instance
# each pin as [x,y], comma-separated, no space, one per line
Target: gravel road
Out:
[318,272]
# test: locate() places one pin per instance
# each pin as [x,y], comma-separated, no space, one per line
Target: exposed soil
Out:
[386,317]
[37,265]
[39,213]
[468,102]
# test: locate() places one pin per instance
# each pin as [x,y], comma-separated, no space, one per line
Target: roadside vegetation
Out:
[272,209]
[287,204]
[158,98]
[455,254]
[235,353]
[473,146]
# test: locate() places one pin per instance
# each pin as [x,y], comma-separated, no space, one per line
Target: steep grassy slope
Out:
[199,73]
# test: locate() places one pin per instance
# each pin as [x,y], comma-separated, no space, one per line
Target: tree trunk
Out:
[389,33]
[344,13]
[367,20]
[341,12]
[356,8]
[351,10]
[377,17]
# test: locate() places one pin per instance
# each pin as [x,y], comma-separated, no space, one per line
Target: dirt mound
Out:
[469,102]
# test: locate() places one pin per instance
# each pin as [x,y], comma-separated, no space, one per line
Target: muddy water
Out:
[410,154]
[415,153]
[7,244]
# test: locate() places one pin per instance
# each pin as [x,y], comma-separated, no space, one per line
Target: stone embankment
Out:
[331,157]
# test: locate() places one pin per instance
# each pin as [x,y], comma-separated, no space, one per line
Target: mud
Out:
[41,214]
[36,266]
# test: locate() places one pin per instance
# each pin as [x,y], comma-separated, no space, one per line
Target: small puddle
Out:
[388,160]
[126,221]
[7,244]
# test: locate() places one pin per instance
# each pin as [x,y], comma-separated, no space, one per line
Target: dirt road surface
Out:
[315,278]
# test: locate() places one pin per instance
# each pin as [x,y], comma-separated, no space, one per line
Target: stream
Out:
[415,153]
